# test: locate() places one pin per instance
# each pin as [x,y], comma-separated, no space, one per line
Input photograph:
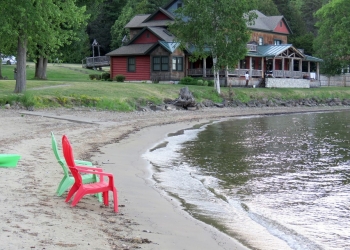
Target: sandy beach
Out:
[34,217]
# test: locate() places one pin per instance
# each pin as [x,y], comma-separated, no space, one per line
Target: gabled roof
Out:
[168,14]
[145,20]
[143,49]
[169,46]
[267,23]
[312,59]
[136,21]
[169,4]
[132,49]
[274,50]
[162,33]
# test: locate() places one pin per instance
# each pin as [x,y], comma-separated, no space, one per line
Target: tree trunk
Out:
[40,68]
[216,75]
[21,79]
[1,77]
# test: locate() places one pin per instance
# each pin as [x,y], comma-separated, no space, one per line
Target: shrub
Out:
[95,77]
[106,76]
[205,83]
[211,83]
[119,78]
[200,82]
[188,81]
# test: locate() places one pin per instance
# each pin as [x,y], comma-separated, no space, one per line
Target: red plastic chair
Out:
[79,188]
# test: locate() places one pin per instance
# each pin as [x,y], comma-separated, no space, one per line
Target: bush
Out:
[119,78]
[211,83]
[188,81]
[106,76]
[95,77]
[200,82]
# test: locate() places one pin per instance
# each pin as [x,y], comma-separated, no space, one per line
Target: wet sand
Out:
[33,217]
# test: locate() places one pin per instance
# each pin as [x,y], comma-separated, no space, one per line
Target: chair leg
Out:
[99,197]
[64,185]
[115,199]
[71,192]
[105,198]
[60,185]
[77,197]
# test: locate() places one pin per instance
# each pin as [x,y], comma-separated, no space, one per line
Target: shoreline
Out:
[36,218]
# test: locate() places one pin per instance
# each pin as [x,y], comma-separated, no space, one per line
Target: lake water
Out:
[271,182]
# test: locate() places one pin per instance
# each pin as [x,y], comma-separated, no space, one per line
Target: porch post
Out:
[300,67]
[308,67]
[273,66]
[318,71]
[262,67]
[204,67]
[292,68]
[283,67]
[250,66]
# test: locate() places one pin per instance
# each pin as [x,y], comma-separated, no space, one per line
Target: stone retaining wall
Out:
[287,83]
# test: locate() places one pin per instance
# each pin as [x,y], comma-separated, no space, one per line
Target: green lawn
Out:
[69,85]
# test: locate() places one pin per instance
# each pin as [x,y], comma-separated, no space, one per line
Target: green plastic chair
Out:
[67,180]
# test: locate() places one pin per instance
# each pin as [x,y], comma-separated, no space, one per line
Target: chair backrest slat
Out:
[68,156]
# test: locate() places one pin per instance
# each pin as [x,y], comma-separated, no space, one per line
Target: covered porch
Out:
[272,61]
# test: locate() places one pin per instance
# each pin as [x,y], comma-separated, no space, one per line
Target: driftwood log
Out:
[185,99]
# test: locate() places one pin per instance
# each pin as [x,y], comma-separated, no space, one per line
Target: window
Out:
[160,63]
[261,41]
[131,64]
[277,42]
[281,23]
[177,63]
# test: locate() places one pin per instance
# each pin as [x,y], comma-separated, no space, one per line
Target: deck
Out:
[96,62]
[254,73]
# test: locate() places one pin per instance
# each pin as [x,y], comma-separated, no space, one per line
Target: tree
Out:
[39,27]
[308,9]
[100,28]
[214,27]
[332,43]
[130,9]
[267,7]
[117,30]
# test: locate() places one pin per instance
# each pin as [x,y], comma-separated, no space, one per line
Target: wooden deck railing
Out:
[255,73]
[96,62]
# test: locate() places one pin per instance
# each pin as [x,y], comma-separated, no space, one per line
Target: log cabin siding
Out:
[133,32]
[268,38]
[142,70]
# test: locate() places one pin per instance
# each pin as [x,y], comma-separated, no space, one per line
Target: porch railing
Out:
[254,73]
[251,47]
[94,62]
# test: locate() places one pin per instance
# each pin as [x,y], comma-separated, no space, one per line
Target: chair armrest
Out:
[91,171]
[81,168]
[83,163]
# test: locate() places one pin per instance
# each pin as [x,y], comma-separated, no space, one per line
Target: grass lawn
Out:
[69,85]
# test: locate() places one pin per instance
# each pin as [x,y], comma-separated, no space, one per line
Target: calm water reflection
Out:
[273,182]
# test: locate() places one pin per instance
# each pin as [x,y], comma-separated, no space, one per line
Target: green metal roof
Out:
[170,46]
[272,50]
[313,59]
